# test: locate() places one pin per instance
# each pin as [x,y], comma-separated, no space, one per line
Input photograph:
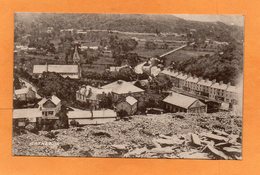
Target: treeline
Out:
[225,66]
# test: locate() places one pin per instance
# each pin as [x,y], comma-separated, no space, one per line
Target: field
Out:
[183,55]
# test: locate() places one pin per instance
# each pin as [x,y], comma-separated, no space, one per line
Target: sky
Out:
[228,19]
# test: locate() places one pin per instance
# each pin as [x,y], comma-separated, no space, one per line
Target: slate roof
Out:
[53,98]
[122,87]
[131,100]
[82,114]
[180,100]
[38,69]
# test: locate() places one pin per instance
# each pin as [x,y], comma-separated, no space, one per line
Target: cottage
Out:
[181,103]
[71,71]
[129,104]
[122,88]
[91,95]
[25,94]
[91,117]
[50,107]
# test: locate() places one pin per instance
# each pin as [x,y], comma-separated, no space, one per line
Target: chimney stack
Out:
[221,82]
[214,81]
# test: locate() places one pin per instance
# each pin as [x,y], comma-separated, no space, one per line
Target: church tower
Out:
[76,57]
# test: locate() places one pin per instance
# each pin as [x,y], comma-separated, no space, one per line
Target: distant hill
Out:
[131,23]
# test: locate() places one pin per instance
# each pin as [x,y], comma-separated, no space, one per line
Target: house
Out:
[91,117]
[172,74]
[182,80]
[175,102]
[217,91]
[22,117]
[232,94]
[122,88]
[25,94]
[129,104]
[118,68]
[71,71]
[91,95]
[204,87]
[191,84]
[50,107]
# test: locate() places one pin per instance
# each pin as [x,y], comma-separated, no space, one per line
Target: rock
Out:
[215,137]
[193,155]
[162,150]
[216,152]
[221,133]
[232,150]
[135,152]
[119,147]
[195,140]
[66,147]
[101,134]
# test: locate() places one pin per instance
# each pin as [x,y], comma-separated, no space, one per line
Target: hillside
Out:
[129,23]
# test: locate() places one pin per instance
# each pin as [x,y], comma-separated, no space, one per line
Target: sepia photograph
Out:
[166,86]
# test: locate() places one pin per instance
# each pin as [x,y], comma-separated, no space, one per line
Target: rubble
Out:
[153,136]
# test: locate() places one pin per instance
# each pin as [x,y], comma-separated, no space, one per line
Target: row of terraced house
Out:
[211,90]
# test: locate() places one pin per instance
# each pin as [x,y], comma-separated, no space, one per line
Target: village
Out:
[84,80]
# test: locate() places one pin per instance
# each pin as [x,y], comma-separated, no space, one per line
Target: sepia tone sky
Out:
[228,19]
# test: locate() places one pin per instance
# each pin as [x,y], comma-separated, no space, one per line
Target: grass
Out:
[183,55]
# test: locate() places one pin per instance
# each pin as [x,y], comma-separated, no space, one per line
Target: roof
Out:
[21,91]
[182,76]
[122,87]
[94,121]
[233,89]
[131,100]
[205,82]
[170,73]
[26,113]
[219,86]
[193,79]
[53,98]
[38,69]
[82,114]
[85,90]
[180,100]
[116,69]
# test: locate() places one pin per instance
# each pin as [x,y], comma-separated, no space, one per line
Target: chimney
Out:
[46,67]
[214,81]
[221,82]
[206,80]
[229,84]
[200,78]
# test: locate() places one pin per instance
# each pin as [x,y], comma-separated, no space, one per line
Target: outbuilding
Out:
[176,102]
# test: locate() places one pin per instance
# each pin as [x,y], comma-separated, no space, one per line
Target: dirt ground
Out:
[151,136]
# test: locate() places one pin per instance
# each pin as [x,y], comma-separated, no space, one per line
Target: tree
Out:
[150,45]
[17,84]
